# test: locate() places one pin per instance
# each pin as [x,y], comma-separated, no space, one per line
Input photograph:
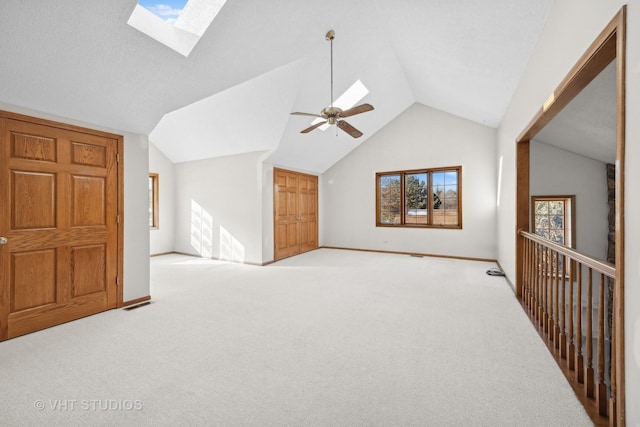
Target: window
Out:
[154,209]
[553,218]
[402,198]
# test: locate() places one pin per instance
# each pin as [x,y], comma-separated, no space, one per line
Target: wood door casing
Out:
[295,213]
[59,197]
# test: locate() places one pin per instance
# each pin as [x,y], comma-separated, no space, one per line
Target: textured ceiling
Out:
[260,60]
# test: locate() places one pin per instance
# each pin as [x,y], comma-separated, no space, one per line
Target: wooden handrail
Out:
[553,278]
[601,266]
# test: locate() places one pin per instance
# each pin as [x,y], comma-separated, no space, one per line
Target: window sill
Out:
[446,227]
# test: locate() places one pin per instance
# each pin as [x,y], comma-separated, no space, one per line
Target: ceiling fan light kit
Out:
[334,115]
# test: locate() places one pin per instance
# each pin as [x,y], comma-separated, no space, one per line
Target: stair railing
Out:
[558,288]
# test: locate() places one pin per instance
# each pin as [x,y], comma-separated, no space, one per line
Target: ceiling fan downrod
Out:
[330,35]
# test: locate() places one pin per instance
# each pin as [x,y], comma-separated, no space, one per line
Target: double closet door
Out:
[295,207]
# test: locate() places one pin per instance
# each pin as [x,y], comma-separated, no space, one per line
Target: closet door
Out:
[307,212]
[59,257]
[295,213]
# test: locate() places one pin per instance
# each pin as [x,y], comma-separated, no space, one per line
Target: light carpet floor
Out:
[328,338]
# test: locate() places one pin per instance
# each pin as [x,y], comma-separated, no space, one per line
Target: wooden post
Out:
[522,206]
[601,390]
[579,361]
[572,339]
[588,373]
[613,419]
[556,311]
[563,302]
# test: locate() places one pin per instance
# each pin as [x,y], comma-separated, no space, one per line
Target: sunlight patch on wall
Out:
[201,230]
[499,182]
[177,28]
[636,342]
[230,248]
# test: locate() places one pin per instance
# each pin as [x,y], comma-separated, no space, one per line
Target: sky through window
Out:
[167,10]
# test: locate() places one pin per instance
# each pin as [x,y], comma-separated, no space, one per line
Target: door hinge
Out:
[117,219]
[118,157]
[117,281]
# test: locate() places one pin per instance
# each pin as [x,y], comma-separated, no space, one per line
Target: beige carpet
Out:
[328,338]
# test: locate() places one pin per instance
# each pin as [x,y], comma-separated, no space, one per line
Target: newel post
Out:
[522,209]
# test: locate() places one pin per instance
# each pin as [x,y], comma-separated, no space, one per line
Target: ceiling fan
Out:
[334,115]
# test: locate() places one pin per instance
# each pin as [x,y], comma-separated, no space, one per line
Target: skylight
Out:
[347,100]
[177,24]
[168,10]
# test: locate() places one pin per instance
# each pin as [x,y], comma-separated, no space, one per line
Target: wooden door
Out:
[295,213]
[308,212]
[59,214]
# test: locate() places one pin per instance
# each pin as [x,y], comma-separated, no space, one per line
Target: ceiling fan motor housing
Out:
[331,114]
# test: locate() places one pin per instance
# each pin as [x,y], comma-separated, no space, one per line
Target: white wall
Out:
[136,190]
[136,216]
[566,36]
[267,211]
[558,172]
[161,238]
[420,137]
[219,208]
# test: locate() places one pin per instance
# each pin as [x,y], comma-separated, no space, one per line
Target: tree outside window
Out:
[553,218]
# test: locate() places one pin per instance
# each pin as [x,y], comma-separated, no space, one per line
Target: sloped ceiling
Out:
[259,61]
[587,126]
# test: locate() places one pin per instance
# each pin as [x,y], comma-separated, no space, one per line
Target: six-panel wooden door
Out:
[295,213]
[58,214]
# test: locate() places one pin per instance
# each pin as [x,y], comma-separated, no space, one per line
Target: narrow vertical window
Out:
[389,199]
[415,198]
[445,198]
[154,210]
[553,218]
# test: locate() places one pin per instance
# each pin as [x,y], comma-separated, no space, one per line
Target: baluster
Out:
[551,299]
[549,273]
[532,284]
[613,418]
[540,260]
[601,389]
[540,273]
[527,275]
[549,325]
[556,309]
[532,274]
[524,271]
[588,374]
[547,270]
[579,360]
[545,279]
[563,337]
[571,338]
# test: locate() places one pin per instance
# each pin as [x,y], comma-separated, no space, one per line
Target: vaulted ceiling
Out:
[259,61]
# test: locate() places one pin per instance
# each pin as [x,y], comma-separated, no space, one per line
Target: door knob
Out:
[3,240]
